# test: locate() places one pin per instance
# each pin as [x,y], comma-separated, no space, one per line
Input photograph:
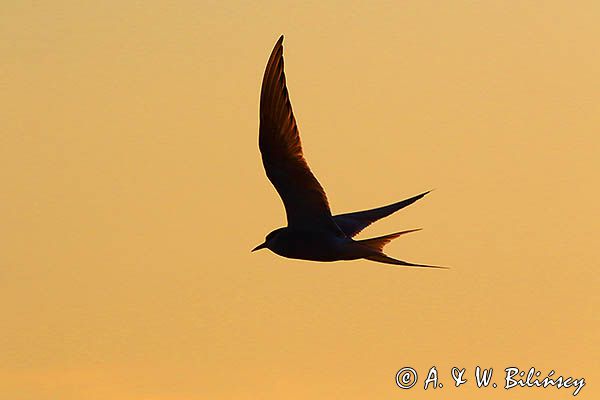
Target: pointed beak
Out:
[260,246]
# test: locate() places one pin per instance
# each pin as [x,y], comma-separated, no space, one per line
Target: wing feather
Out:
[352,223]
[303,196]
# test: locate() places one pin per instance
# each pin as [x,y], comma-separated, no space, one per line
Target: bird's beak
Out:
[260,246]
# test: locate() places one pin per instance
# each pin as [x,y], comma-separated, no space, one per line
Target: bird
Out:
[312,232]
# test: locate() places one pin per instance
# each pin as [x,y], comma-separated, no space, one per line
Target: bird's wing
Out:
[352,223]
[279,141]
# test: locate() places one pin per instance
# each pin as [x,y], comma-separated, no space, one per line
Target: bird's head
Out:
[269,240]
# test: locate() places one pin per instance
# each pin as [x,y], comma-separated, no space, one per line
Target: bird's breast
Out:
[314,246]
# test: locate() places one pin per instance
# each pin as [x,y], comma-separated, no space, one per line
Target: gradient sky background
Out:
[133,192]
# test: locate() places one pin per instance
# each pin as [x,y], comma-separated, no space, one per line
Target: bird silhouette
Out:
[312,232]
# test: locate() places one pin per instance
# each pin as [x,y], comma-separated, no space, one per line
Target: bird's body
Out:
[312,233]
[315,245]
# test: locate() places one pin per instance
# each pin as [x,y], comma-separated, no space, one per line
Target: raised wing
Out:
[352,223]
[279,141]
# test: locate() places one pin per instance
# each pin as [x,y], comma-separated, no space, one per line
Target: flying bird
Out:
[312,232]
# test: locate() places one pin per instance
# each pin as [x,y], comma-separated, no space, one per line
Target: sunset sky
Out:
[133,191]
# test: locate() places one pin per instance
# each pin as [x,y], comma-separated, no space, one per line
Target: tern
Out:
[312,232]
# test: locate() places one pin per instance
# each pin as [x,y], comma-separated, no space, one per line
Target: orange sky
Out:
[133,193]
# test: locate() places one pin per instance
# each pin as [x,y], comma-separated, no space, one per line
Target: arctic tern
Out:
[312,232]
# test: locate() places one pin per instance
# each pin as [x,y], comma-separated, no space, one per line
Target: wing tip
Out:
[279,41]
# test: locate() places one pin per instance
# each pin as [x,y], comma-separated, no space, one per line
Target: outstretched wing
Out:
[279,141]
[352,223]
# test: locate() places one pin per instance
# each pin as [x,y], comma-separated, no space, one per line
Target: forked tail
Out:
[379,243]
[382,258]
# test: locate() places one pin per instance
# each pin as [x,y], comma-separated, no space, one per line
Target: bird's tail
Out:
[382,258]
[379,243]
